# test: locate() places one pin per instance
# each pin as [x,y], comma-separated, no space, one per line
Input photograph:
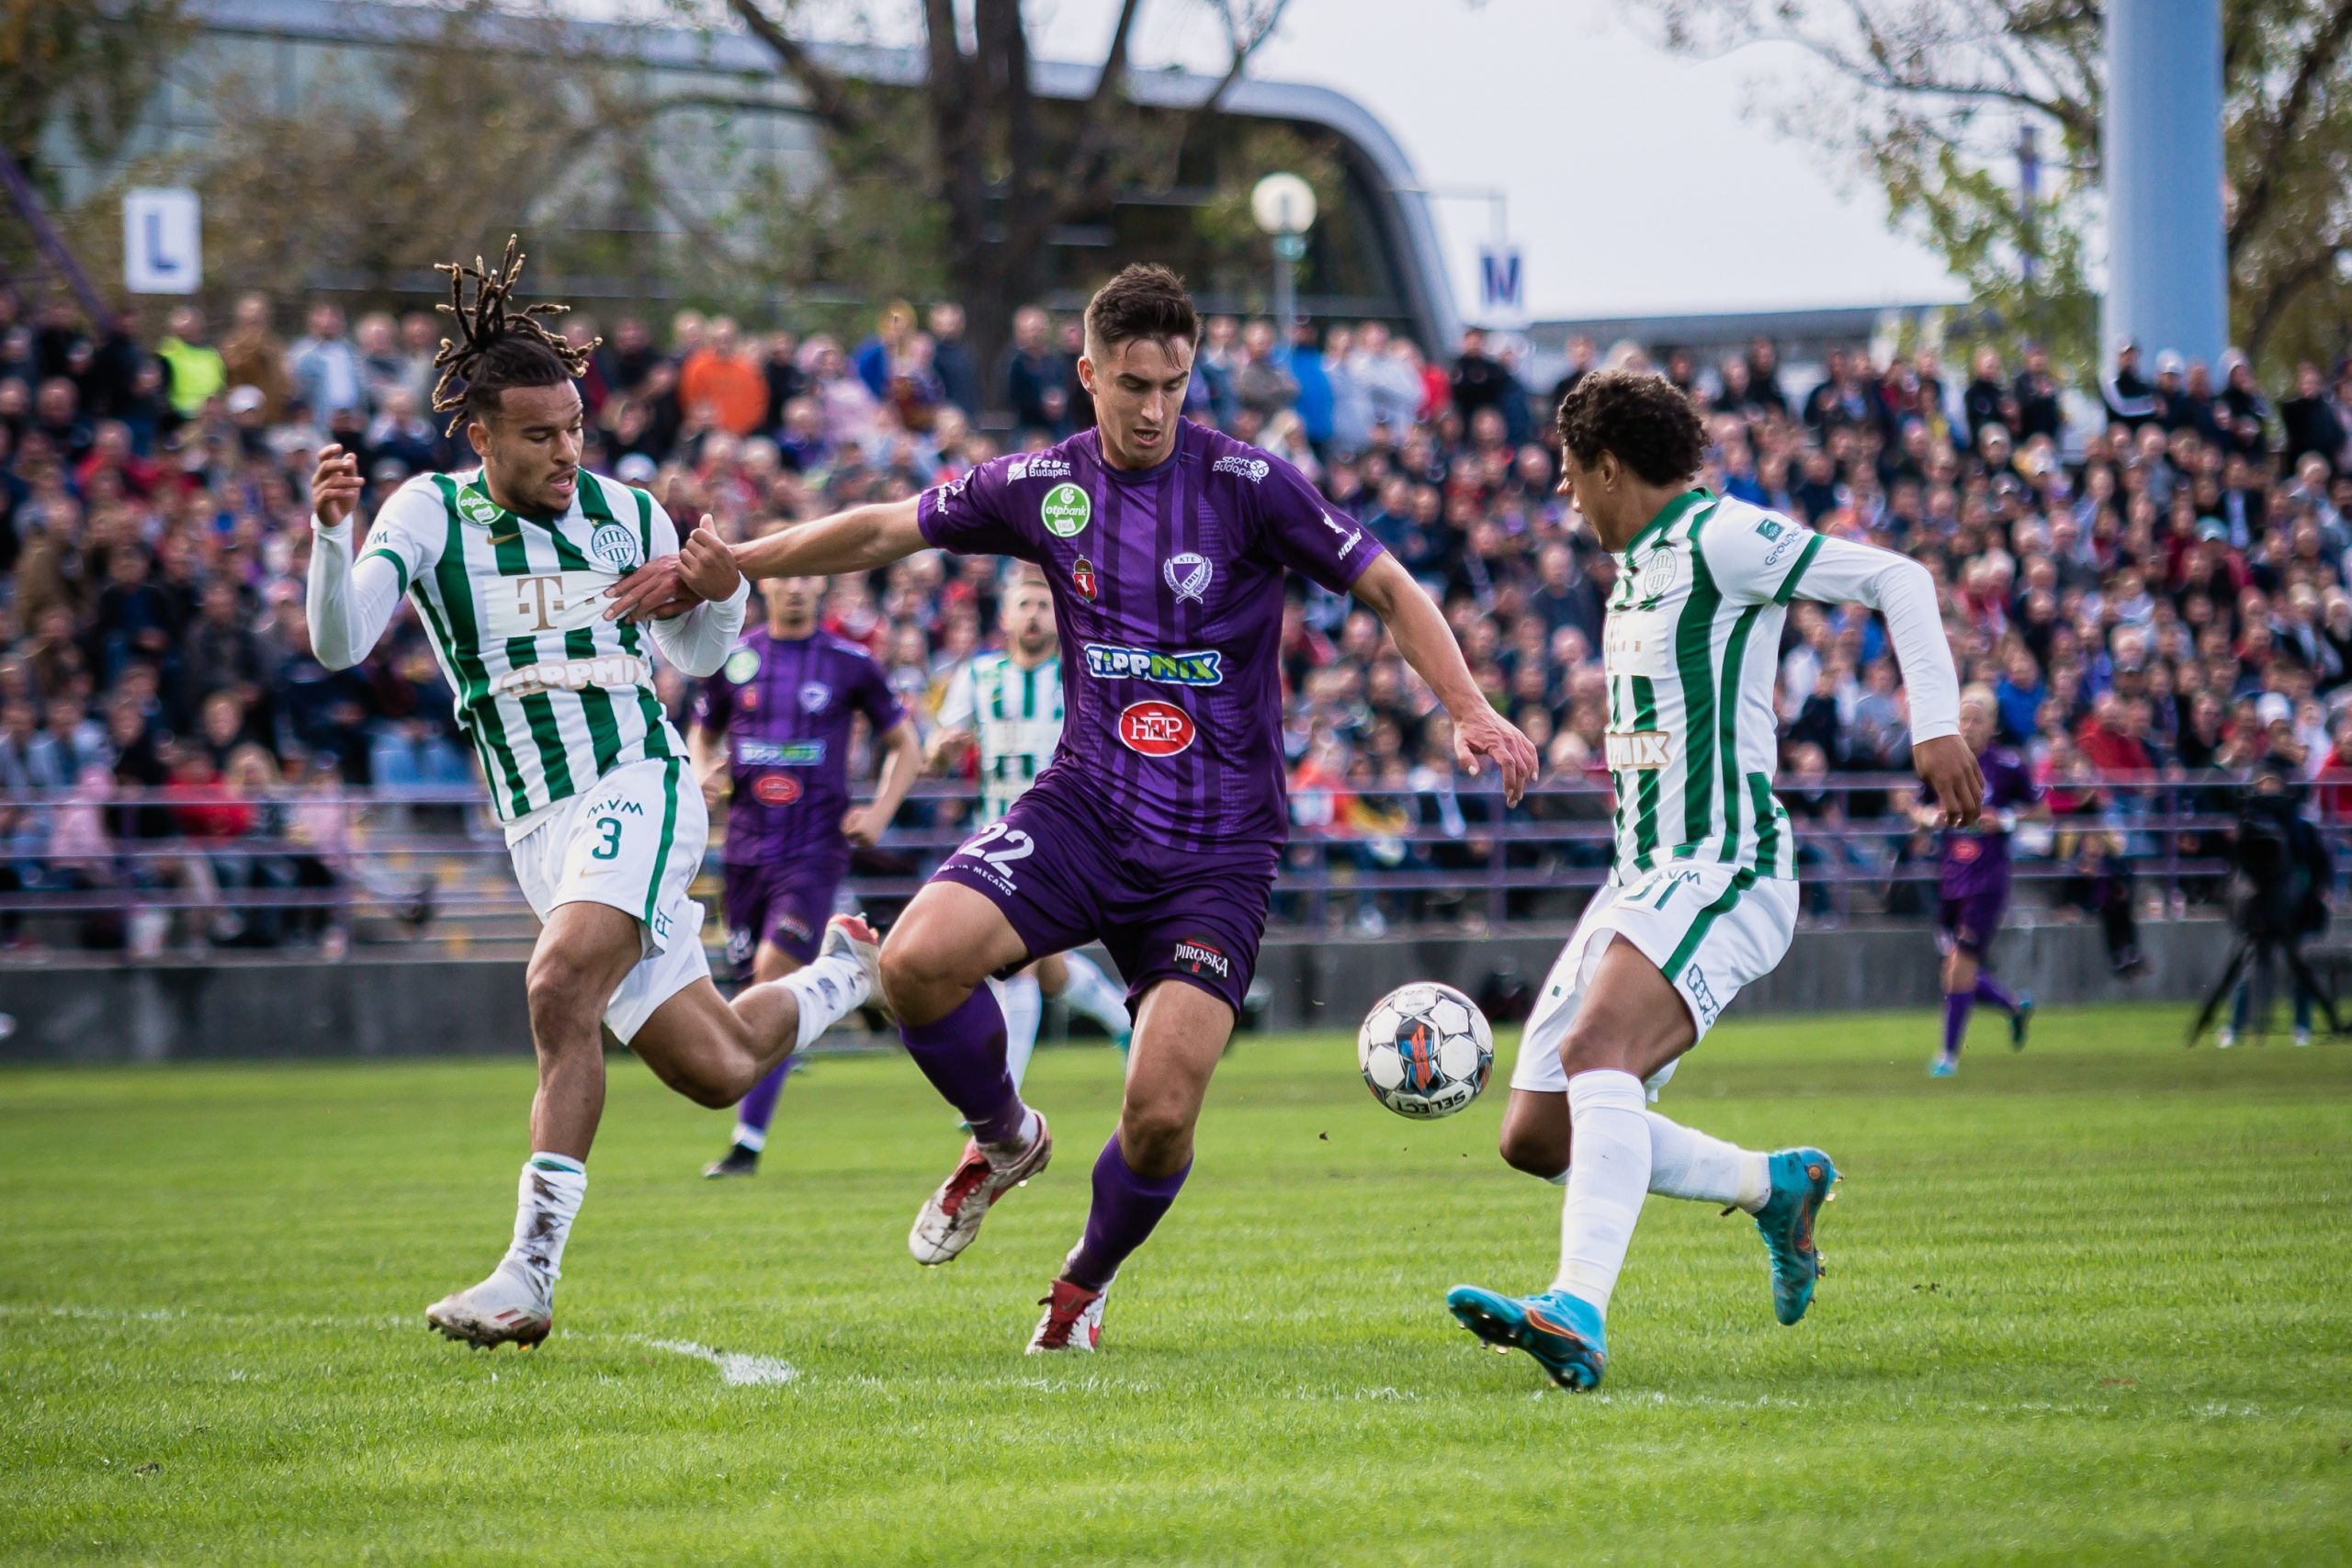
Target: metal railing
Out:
[429,864]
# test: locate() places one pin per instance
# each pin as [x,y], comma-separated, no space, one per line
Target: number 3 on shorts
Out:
[610,848]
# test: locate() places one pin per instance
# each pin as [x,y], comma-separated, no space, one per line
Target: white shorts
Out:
[635,841]
[1708,933]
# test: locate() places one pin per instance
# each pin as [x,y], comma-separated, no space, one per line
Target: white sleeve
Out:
[1839,571]
[698,641]
[959,705]
[349,603]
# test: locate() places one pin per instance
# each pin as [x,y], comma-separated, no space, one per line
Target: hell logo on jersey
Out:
[1196,956]
[1154,728]
[1081,574]
[776,789]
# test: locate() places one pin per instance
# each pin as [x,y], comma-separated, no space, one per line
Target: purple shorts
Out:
[1970,921]
[785,905]
[1065,876]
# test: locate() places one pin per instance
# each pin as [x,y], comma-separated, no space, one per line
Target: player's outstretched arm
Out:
[697,638]
[901,757]
[1840,571]
[349,603]
[860,539]
[1427,642]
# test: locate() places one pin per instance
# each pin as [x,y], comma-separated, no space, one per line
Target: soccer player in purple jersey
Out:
[1158,825]
[772,737]
[1975,882]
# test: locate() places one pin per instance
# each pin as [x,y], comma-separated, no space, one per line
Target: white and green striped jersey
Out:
[1692,648]
[1015,714]
[552,694]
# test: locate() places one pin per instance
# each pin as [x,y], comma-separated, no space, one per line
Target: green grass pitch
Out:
[2088,1303]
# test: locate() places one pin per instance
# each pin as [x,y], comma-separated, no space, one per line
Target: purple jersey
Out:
[784,705]
[1978,862]
[1168,591]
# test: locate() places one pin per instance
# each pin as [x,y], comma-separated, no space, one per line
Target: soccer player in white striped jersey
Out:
[509,565]
[1702,898]
[1008,704]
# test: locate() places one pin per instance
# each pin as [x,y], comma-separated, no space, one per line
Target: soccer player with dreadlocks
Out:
[508,565]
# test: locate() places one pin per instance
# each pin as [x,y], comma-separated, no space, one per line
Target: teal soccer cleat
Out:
[1801,1183]
[2021,1020]
[1561,1331]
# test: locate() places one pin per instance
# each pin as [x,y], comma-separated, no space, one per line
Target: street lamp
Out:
[1283,206]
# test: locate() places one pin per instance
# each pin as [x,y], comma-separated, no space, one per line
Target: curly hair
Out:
[1645,419]
[498,345]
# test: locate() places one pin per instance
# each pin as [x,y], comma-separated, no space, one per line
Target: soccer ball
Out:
[1425,1050]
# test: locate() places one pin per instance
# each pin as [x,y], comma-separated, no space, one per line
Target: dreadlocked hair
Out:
[499,344]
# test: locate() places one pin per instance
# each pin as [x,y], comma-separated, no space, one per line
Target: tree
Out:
[1004,165]
[1934,94]
[88,63]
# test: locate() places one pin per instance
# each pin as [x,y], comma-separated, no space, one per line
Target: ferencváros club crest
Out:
[614,547]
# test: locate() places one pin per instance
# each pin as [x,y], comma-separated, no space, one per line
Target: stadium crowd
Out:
[2151,591]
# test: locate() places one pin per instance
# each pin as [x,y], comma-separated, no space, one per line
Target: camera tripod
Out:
[2264,954]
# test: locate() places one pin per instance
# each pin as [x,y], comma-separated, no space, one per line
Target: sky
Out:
[1556,103]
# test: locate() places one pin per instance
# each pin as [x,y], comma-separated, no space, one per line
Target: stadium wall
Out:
[111,1013]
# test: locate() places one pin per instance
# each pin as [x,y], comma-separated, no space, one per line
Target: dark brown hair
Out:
[1145,300]
[1645,419]
[498,345]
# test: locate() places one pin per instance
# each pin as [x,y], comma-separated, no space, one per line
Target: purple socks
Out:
[1127,1207]
[963,1056]
[759,1106]
[1989,989]
[1956,1006]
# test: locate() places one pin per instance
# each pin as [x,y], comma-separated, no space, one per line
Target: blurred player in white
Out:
[1702,898]
[509,565]
[1008,704]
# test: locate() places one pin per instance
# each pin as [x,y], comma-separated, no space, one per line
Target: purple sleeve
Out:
[1306,534]
[974,515]
[876,700]
[713,703]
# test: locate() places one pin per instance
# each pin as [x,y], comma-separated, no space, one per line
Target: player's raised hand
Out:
[705,565]
[1949,769]
[859,827]
[335,485]
[653,589]
[1483,732]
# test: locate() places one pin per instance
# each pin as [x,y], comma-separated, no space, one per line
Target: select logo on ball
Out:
[776,789]
[1155,728]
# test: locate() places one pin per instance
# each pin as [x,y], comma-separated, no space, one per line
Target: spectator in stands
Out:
[721,383]
[194,373]
[325,366]
[951,357]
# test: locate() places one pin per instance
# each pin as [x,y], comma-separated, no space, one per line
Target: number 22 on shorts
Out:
[1011,845]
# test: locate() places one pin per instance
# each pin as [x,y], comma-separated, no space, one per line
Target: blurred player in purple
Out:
[772,737]
[1975,882]
[1156,828]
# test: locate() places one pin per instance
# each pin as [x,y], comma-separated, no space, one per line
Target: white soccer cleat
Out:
[502,1310]
[951,1216]
[849,936]
[1073,1319]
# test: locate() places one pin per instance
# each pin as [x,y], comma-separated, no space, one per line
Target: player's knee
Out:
[922,973]
[1588,1047]
[1532,1150]
[559,993]
[1156,1136]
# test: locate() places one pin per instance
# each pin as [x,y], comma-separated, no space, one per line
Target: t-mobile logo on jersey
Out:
[1196,956]
[539,597]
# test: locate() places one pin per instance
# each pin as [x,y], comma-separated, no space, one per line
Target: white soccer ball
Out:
[1426,1050]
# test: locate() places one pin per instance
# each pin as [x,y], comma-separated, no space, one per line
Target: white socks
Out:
[828,992]
[751,1138]
[1685,1163]
[546,1200]
[1023,1005]
[1095,995]
[1609,1173]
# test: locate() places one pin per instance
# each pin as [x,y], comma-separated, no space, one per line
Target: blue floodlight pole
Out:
[2167,279]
